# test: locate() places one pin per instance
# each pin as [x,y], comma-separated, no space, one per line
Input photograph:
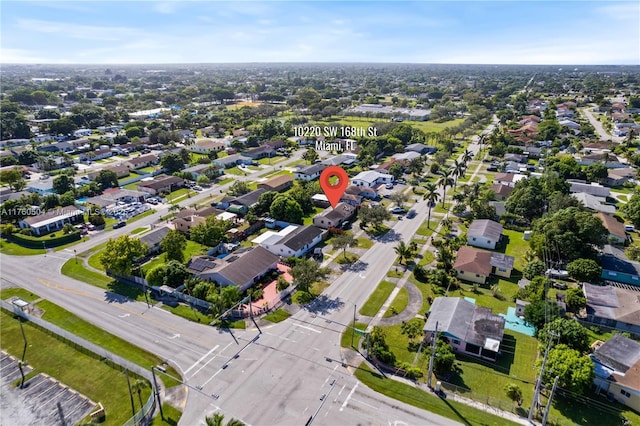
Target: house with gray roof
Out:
[594,203]
[53,220]
[334,217]
[154,238]
[470,329]
[309,173]
[291,241]
[421,148]
[484,233]
[613,307]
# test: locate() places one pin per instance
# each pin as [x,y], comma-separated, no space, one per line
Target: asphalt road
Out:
[602,133]
[276,375]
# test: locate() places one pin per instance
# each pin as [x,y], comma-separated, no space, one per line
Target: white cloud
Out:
[20,56]
[166,7]
[75,30]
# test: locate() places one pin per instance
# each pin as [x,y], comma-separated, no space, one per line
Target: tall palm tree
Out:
[457,170]
[138,386]
[218,418]
[445,181]
[467,156]
[431,195]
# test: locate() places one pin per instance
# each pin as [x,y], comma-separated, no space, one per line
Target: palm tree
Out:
[466,157]
[138,386]
[217,420]
[432,197]
[457,170]
[403,251]
[444,181]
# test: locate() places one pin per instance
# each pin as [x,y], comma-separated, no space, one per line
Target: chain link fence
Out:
[114,361]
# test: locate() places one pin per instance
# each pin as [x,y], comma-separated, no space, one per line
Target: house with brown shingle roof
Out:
[502,191]
[277,183]
[615,228]
[477,265]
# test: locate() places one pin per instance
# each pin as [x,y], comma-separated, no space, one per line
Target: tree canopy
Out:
[575,371]
[119,254]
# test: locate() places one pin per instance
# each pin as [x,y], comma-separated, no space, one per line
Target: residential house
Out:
[7,194]
[160,184]
[241,268]
[53,220]
[470,329]
[291,241]
[243,203]
[188,218]
[484,233]
[618,177]
[588,188]
[207,146]
[405,157]
[386,166]
[120,170]
[200,169]
[98,154]
[362,191]
[371,179]
[477,265]
[264,151]
[42,187]
[82,132]
[594,203]
[502,191]
[141,162]
[421,148]
[529,119]
[309,173]
[334,218]
[154,238]
[516,158]
[232,160]
[508,179]
[613,307]
[617,370]
[617,234]
[277,183]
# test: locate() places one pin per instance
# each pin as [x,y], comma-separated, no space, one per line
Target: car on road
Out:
[398,210]
[411,214]
[119,225]
[197,188]
[389,186]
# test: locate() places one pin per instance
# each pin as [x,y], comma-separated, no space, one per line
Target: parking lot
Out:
[124,211]
[43,400]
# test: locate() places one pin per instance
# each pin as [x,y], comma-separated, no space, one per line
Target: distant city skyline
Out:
[454,32]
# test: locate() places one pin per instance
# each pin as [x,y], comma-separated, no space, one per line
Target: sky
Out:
[477,32]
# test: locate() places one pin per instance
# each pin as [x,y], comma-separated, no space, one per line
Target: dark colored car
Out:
[119,225]
[411,214]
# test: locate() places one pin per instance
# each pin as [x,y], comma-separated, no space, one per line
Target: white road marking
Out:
[340,393]
[201,359]
[364,403]
[346,401]
[307,328]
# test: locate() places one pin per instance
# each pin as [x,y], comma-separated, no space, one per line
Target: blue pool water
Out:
[83,199]
[515,323]
[470,299]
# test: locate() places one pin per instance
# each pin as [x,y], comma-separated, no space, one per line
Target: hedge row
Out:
[36,242]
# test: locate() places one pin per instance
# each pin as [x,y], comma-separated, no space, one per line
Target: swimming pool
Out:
[515,323]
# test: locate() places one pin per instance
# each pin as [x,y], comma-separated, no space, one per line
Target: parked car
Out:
[629,228]
[389,186]
[559,286]
[119,225]
[398,210]
[411,214]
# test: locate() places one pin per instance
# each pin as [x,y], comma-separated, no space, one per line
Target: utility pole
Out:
[546,412]
[353,329]
[415,359]
[433,356]
[157,392]
[133,408]
[534,402]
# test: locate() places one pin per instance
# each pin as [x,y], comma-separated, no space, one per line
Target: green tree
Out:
[375,215]
[596,172]
[399,198]
[343,241]
[264,203]
[172,162]
[203,180]
[575,371]
[575,299]
[28,157]
[306,272]
[106,179]
[174,244]
[63,126]
[527,199]
[539,312]
[396,170]
[567,332]
[210,233]
[218,420]
[13,178]
[432,196]
[445,358]
[138,386]
[238,188]
[404,252]
[155,276]
[310,155]
[412,328]
[585,270]
[286,209]
[62,184]
[533,269]
[175,274]
[631,210]
[119,254]
[444,181]
[514,393]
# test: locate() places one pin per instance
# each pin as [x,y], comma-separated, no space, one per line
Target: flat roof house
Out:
[617,370]
[242,268]
[53,220]
[469,328]
[484,233]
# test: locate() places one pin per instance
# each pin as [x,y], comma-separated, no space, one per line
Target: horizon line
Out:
[309,63]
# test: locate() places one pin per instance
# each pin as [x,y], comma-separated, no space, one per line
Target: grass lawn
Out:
[427,258]
[439,209]
[84,373]
[346,259]
[273,160]
[421,399]
[13,249]
[377,299]
[364,243]
[239,324]
[8,293]
[516,247]
[133,186]
[171,416]
[192,249]
[139,230]
[187,312]
[179,195]
[277,316]
[235,170]
[426,230]
[348,335]
[484,297]
[148,169]
[225,181]
[399,304]
[76,270]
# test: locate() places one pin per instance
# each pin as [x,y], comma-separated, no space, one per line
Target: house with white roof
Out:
[291,241]
[371,179]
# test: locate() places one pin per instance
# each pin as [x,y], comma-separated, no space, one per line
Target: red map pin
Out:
[334,192]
